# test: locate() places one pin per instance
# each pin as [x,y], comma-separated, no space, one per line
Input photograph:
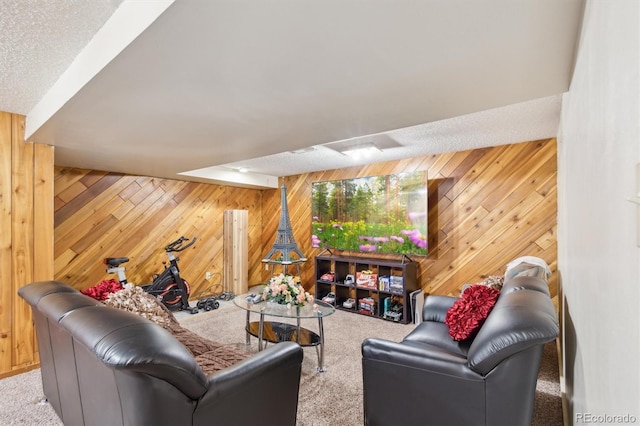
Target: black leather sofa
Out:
[430,379]
[105,366]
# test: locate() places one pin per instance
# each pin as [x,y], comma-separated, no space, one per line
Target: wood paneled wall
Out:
[486,207]
[26,238]
[100,214]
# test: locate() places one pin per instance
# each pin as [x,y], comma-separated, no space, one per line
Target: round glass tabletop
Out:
[310,310]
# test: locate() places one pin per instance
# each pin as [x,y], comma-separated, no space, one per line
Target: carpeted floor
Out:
[329,398]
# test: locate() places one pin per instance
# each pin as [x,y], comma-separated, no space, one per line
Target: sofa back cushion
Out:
[56,306]
[435,333]
[520,319]
[526,283]
[125,341]
[33,292]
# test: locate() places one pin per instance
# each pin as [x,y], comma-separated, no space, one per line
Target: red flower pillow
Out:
[468,313]
[102,290]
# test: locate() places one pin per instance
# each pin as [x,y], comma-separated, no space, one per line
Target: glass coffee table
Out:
[276,331]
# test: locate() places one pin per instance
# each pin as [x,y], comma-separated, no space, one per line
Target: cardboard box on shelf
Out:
[396,284]
[383,283]
[366,279]
[367,306]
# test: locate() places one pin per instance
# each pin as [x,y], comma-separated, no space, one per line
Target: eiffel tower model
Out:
[285,244]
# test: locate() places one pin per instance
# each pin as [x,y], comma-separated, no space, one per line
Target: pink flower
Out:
[275,290]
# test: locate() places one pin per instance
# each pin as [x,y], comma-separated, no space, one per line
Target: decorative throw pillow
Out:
[134,299]
[493,281]
[103,289]
[468,313]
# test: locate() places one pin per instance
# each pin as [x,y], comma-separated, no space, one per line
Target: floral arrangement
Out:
[286,290]
[103,289]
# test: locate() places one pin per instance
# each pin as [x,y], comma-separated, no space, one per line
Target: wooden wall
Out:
[486,207]
[26,238]
[100,214]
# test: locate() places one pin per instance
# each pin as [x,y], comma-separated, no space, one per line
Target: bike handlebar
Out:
[177,244]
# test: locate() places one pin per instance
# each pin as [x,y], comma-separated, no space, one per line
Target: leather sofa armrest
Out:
[421,379]
[236,395]
[436,307]
[417,356]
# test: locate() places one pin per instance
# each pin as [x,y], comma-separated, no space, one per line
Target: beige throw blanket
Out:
[210,356]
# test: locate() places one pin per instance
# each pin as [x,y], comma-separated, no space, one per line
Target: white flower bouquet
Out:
[286,290]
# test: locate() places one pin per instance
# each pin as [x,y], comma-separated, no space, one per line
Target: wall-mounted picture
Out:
[375,214]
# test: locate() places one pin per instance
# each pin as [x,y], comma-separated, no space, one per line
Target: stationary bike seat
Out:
[115,261]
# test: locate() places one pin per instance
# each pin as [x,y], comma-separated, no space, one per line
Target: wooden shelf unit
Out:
[342,266]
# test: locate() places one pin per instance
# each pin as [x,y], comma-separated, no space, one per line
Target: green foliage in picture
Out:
[383,214]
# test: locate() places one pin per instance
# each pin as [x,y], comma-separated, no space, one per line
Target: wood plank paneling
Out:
[6,264]
[235,251]
[486,207]
[26,238]
[22,238]
[136,216]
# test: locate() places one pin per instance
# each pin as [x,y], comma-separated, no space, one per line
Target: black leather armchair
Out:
[430,379]
[104,366]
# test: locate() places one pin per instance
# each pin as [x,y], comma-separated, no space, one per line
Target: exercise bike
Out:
[168,286]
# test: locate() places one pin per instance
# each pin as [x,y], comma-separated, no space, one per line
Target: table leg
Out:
[247,337]
[321,368]
[260,331]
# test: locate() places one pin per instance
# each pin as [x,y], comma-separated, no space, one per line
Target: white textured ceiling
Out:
[166,88]
[38,41]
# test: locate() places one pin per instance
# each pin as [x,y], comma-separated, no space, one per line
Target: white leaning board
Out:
[417,301]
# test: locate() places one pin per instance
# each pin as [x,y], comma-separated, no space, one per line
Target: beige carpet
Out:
[329,398]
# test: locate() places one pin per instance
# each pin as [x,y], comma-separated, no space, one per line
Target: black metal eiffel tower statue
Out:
[285,243]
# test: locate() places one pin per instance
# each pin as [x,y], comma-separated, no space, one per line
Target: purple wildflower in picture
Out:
[417,238]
